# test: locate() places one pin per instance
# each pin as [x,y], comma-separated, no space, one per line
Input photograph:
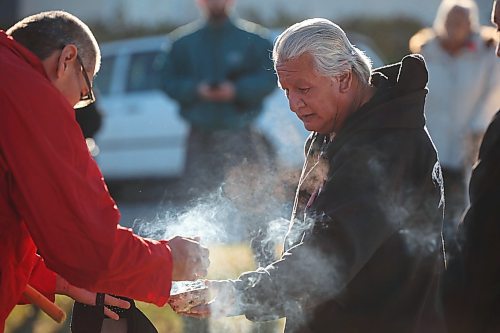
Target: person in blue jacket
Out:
[220,71]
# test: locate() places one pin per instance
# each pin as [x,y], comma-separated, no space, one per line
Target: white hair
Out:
[327,43]
[447,6]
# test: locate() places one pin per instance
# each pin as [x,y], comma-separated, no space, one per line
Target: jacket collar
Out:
[22,52]
[220,25]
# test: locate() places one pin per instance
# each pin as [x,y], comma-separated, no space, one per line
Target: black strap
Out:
[99,299]
[88,318]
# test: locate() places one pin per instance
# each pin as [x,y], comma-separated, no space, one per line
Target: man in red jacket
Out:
[53,200]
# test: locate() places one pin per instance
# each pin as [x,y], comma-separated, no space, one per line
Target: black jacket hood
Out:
[398,86]
[397,104]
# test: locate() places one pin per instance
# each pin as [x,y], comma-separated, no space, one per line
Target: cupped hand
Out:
[224,92]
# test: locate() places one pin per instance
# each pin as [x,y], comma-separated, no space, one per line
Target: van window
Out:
[146,71]
[103,77]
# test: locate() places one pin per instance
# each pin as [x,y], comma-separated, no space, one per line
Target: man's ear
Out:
[67,58]
[345,81]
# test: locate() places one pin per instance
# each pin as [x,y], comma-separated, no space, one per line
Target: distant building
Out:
[150,13]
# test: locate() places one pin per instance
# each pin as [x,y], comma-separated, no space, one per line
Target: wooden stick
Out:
[38,299]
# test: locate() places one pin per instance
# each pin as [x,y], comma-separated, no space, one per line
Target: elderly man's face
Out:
[495,18]
[313,97]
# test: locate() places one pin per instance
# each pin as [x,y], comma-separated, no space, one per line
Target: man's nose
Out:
[84,89]
[295,102]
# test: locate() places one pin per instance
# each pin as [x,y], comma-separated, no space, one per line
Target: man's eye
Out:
[304,90]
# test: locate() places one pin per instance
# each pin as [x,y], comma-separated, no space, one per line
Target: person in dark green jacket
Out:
[220,71]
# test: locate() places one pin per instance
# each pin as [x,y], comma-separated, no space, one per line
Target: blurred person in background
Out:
[58,224]
[471,284]
[220,71]
[363,252]
[464,93]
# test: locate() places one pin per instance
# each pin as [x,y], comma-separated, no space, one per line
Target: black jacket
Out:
[366,255]
[472,280]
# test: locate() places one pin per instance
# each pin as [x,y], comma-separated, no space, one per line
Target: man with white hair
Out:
[363,249]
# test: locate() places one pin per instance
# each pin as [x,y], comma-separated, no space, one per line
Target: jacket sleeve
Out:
[60,194]
[180,83]
[42,279]
[262,81]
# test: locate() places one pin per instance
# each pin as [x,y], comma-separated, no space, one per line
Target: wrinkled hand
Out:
[190,258]
[224,92]
[84,296]
[204,91]
[222,301]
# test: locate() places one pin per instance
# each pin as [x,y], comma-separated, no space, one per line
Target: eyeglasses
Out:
[89,97]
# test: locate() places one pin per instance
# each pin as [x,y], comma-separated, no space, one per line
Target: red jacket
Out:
[53,199]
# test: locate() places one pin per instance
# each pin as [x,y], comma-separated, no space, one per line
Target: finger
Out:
[201,262]
[216,285]
[212,284]
[205,253]
[193,315]
[200,310]
[206,263]
[111,314]
[118,302]
[202,273]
